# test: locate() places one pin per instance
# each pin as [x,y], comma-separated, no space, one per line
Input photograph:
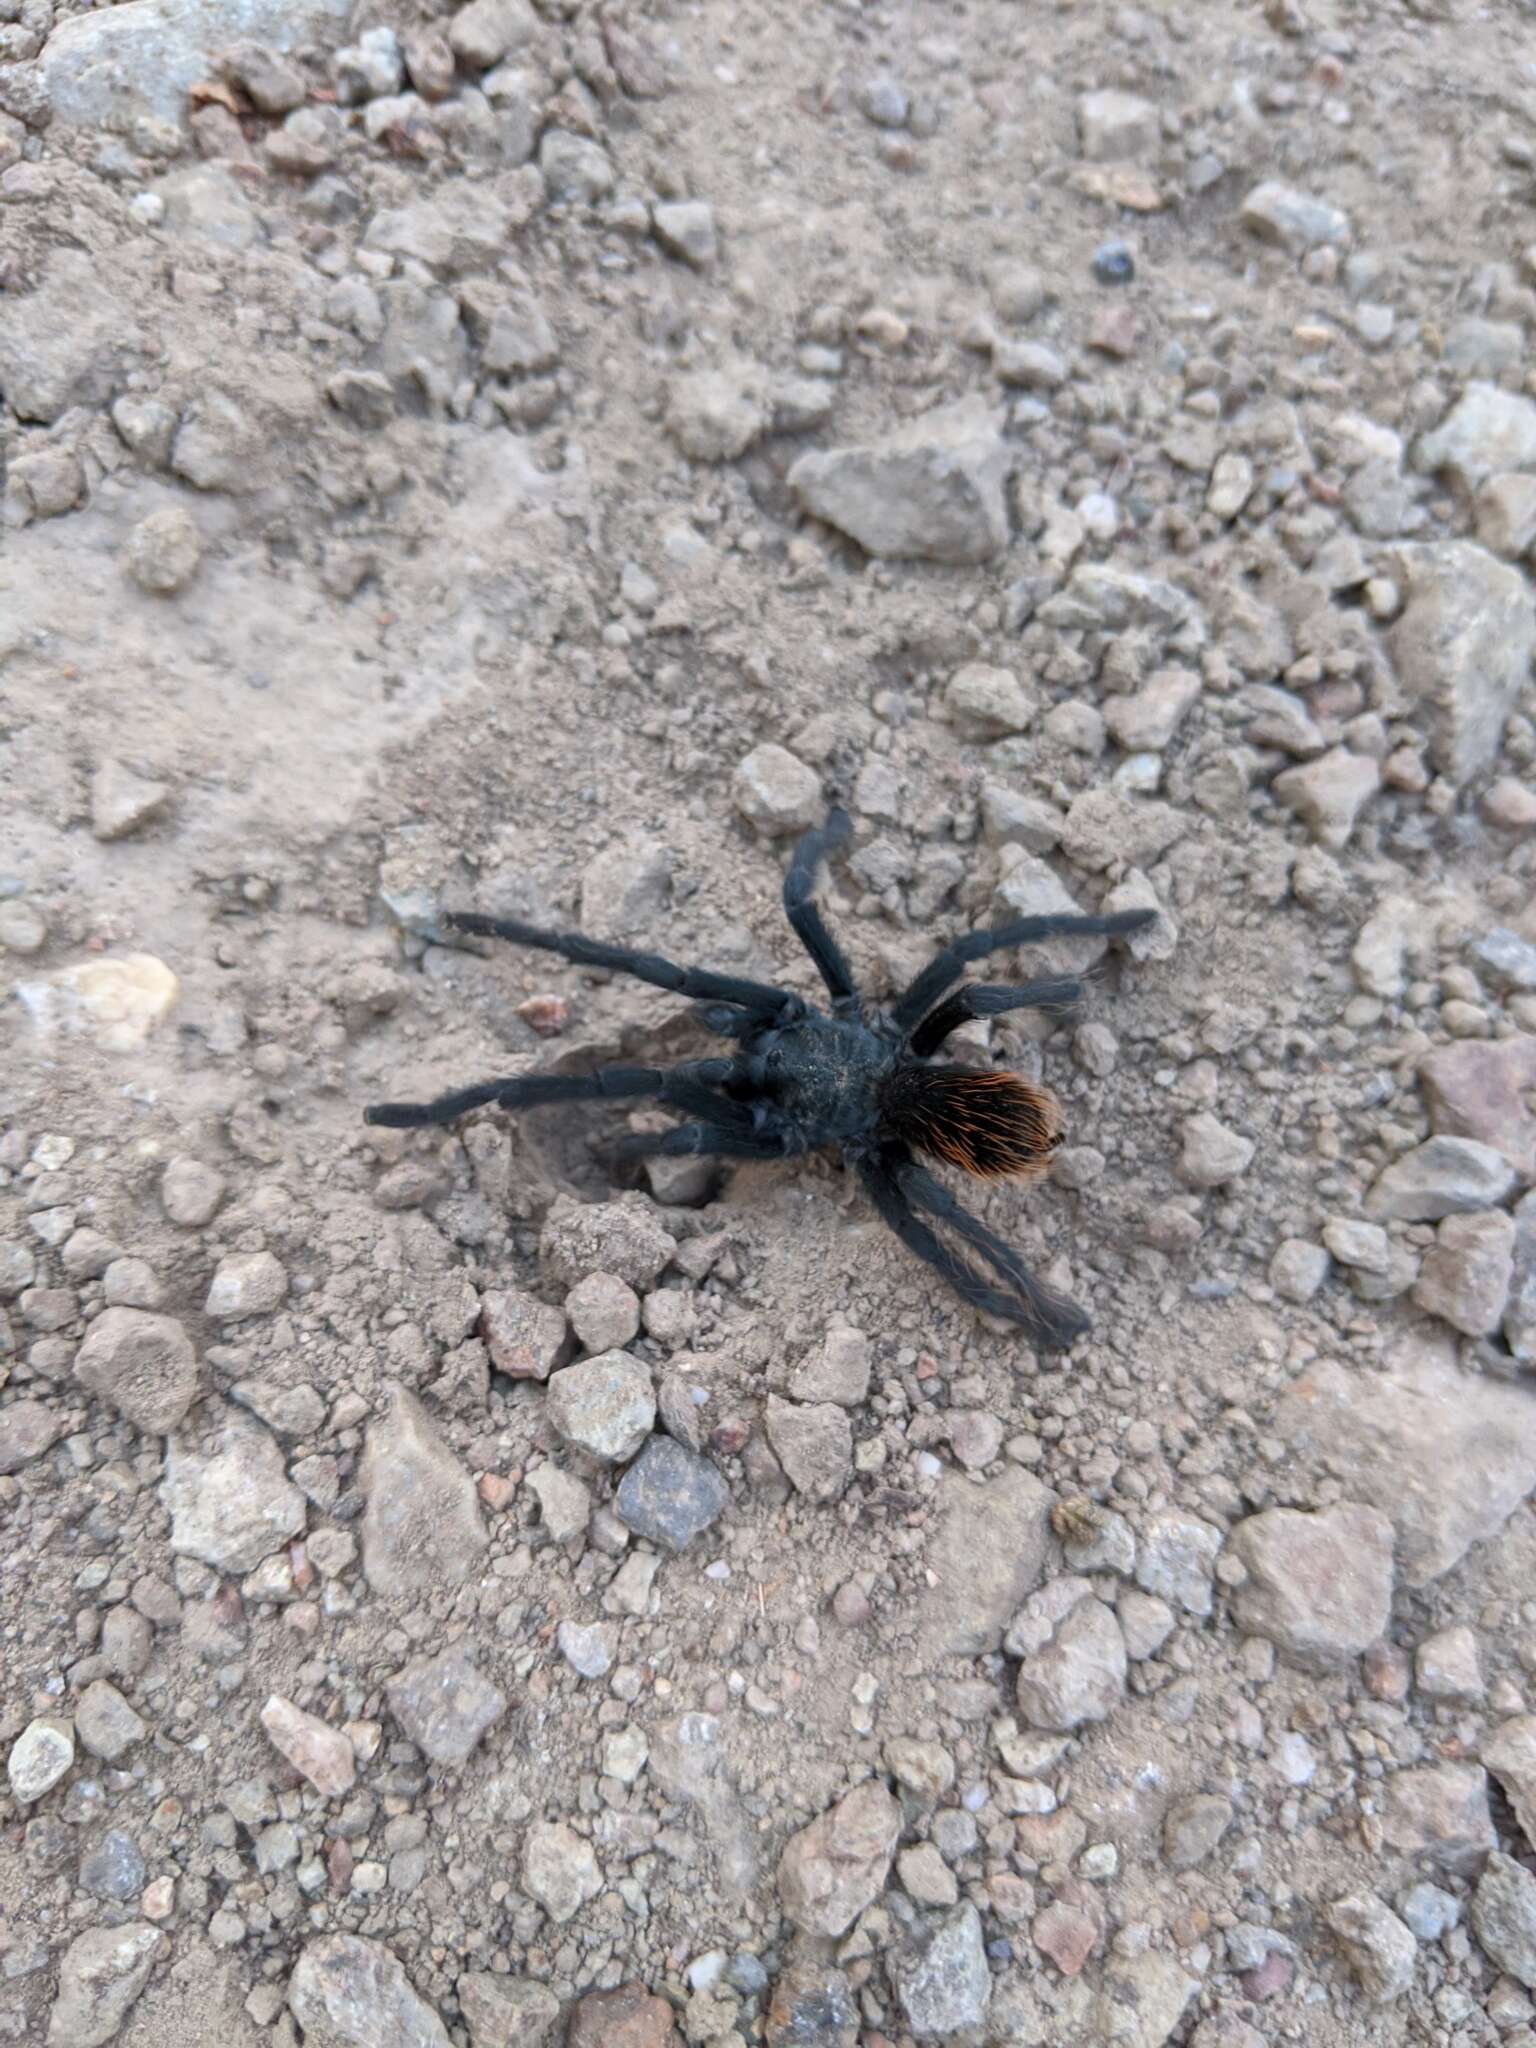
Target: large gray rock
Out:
[1445,1455]
[986,1558]
[941,1975]
[1380,1949]
[444,1705]
[142,1364]
[1463,647]
[1486,433]
[1442,1177]
[1504,1917]
[932,489]
[1439,1814]
[837,1866]
[102,1973]
[108,68]
[346,1992]
[1141,2000]
[1317,1586]
[65,343]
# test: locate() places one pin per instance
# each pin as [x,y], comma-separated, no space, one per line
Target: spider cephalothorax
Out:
[867,1081]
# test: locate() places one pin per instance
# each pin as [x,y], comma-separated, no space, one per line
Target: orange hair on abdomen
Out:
[986,1121]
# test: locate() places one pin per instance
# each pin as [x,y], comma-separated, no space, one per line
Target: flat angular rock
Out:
[1440,1813]
[1478,1089]
[422,1529]
[102,1973]
[319,1752]
[605,1406]
[1462,647]
[1079,1674]
[1504,1917]
[507,2012]
[1442,1177]
[559,1870]
[814,1445]
[61,345]
[108,69]
[119,1000]
[1115,125]
[1487,432]
[776,791]
[1295,220]
[40,1757]
[143,1365]
[346,1992]
[625,1237]
[627,2017]
[837,1866]
[941,1976]
[1447,1456]
[1380,1949]
[233,1507]
[1192,1827]
[1141,2000]
[444,1705]
[1318,1586]
[121,801]
[1328,794]
[986,1558]
[1176,1560]
[671,1494]
[1466,1273]
[107,1726]
[27,1429]
[930,490]
[1510,1753]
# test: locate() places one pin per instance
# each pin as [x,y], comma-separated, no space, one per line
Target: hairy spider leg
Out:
[699,983]
[896,1210]
[688,1087]
[946,968]
[709,1141]
[1054,1321]
[805,918]
[990,999]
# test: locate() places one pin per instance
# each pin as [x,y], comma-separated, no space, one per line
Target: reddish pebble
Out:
[338,1863]
[729,1437]
[299,1564]
[496,1490]
[547,1015]
[1070,1928]
[1387,1672]
[1114,331]
[850,1603]
[1271,1977]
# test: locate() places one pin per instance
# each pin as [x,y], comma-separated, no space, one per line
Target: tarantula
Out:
[864,1080]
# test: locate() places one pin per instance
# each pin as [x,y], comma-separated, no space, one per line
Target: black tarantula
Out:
[867,1081]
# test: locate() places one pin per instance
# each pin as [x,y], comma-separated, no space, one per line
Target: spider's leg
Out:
[896,1210]
[984,999]
[706,1141]
[946,968]
[1053,1321]
[804,917]
[689,1087]
[698,983]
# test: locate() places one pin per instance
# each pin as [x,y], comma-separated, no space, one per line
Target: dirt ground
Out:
[536,459]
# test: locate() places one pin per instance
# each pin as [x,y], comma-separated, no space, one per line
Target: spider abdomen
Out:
[986,1121]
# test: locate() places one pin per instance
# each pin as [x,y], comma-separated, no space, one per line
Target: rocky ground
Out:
[535,458]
